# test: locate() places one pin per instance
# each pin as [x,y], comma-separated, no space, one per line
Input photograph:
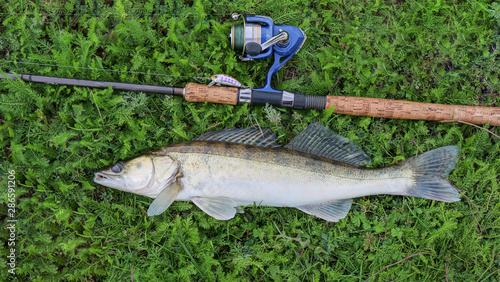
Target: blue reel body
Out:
[282,49]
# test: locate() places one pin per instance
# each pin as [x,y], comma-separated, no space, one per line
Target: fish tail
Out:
[430,170]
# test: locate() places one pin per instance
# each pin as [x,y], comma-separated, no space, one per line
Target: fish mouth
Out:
[99,177]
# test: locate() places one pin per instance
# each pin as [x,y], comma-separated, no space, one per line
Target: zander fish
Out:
[318,172]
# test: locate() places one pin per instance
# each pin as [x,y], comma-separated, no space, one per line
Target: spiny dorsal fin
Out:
[319,140]
[250,136]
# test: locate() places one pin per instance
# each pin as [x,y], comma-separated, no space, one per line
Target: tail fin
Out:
[430,170]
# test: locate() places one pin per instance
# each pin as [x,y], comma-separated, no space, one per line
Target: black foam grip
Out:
[315,102]
[263,97]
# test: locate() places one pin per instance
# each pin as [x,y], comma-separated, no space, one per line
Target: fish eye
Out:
[117,168]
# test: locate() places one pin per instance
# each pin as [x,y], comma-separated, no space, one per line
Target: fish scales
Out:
[252,174]
[318,172]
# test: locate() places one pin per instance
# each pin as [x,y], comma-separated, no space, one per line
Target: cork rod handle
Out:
[194,92]
[385,108]
[357,106]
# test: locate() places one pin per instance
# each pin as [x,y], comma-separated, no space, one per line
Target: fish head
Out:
[145,175]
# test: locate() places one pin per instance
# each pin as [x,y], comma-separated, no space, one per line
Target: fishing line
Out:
[49,13]
[133,13]
[107,70]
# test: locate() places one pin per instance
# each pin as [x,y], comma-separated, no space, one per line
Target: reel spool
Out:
[258,38]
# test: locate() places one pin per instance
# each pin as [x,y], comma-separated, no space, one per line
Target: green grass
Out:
[70,228]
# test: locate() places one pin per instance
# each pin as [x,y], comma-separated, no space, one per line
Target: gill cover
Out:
[145,175]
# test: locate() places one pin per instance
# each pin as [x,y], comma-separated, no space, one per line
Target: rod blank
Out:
[98,84]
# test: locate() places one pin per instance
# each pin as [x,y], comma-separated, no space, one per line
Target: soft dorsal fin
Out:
[319,140]
[250,136]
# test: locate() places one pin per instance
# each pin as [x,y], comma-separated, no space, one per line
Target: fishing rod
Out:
[358,106]
[259,38]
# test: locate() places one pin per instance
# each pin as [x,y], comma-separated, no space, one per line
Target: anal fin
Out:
[329,211]
[220,208]
[165,199]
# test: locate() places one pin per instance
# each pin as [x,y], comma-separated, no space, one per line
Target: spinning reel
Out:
[259,38]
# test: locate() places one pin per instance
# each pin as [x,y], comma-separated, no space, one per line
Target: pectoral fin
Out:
[329,211]
[165,199]
[219,208]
